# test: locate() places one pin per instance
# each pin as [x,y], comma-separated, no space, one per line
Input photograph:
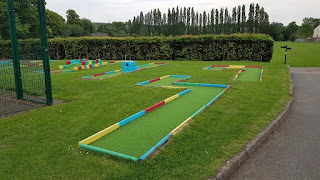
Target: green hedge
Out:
[234,47]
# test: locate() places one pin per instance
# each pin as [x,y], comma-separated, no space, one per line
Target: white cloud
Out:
[123,10]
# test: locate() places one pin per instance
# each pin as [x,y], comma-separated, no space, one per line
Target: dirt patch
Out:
[10,106]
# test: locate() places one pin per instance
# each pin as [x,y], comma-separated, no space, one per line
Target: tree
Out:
[72,30]
[204,29]
[243,20]
[312,21]
[261,19]
[251,18]
[226,21]
[238,19]
[217,26]
[197,24]
[212,30]
[265,23]
[257,19]
[221,21]
[234,20]
[275,31]
[27,21]
[188,20]
[55,23]
[290,31]
[88,26]
[72,17]
[306,31]
[200,24]
[185,15]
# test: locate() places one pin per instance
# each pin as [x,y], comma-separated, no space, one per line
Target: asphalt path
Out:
[293,151]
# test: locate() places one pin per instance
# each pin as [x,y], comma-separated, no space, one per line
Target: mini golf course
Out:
[118,72]
[248,73]
[137,136]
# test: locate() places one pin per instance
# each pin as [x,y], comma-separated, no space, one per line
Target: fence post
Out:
[14,49]
[45,50]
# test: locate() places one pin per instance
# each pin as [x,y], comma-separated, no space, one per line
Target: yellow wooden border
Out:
[163,77]
[99,134]
[172,87]
[171,98]
[181,126]
[235,67]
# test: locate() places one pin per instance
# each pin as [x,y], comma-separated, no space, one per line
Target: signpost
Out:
[285,56]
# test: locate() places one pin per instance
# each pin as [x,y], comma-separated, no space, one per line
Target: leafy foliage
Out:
[186,21]
[312,21]
[306,30]
[55,23]
[234,47]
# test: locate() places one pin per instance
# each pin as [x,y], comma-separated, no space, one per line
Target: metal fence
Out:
[24,83]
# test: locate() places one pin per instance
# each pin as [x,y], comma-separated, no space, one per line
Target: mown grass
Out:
[302,54]
[42,143]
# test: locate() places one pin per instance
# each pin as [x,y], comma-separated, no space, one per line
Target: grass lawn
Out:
[302,54]
[43,143]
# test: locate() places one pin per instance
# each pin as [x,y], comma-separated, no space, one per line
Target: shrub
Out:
[235,47]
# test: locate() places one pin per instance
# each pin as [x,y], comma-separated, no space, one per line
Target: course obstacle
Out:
[250,73]
[127,67]
[81,64]
[139,135]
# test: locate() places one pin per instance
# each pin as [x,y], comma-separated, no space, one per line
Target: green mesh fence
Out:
[22,80]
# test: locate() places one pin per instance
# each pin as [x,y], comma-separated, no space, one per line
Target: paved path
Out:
[293,151]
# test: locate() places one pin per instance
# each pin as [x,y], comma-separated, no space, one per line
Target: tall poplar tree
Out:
[257,19]
[217,25]
[234,20]
[243,20]
[226,21]
[205,20]
[222,21]
[238,19]
[212,30]
[251,18]
[193,21]
[188,20]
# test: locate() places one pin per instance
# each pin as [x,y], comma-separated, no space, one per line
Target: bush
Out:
[234,47]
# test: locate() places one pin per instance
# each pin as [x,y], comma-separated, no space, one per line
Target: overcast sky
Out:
[283,11]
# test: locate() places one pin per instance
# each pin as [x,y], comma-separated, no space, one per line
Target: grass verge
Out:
[302,54]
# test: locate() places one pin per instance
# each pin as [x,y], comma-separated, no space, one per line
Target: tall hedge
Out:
[236,47]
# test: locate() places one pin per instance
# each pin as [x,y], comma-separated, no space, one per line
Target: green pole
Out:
[14,49]
[45,52]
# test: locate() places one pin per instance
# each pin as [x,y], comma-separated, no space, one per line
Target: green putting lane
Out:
[165,82]
[118,73]
[216,68]
[107,75]
[140,135]
[250,74]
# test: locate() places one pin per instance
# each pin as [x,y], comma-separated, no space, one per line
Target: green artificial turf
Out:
[106,75]
[216,68]
[42,143]
[250,74]
[165,82]
[141,67]
[140,135]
